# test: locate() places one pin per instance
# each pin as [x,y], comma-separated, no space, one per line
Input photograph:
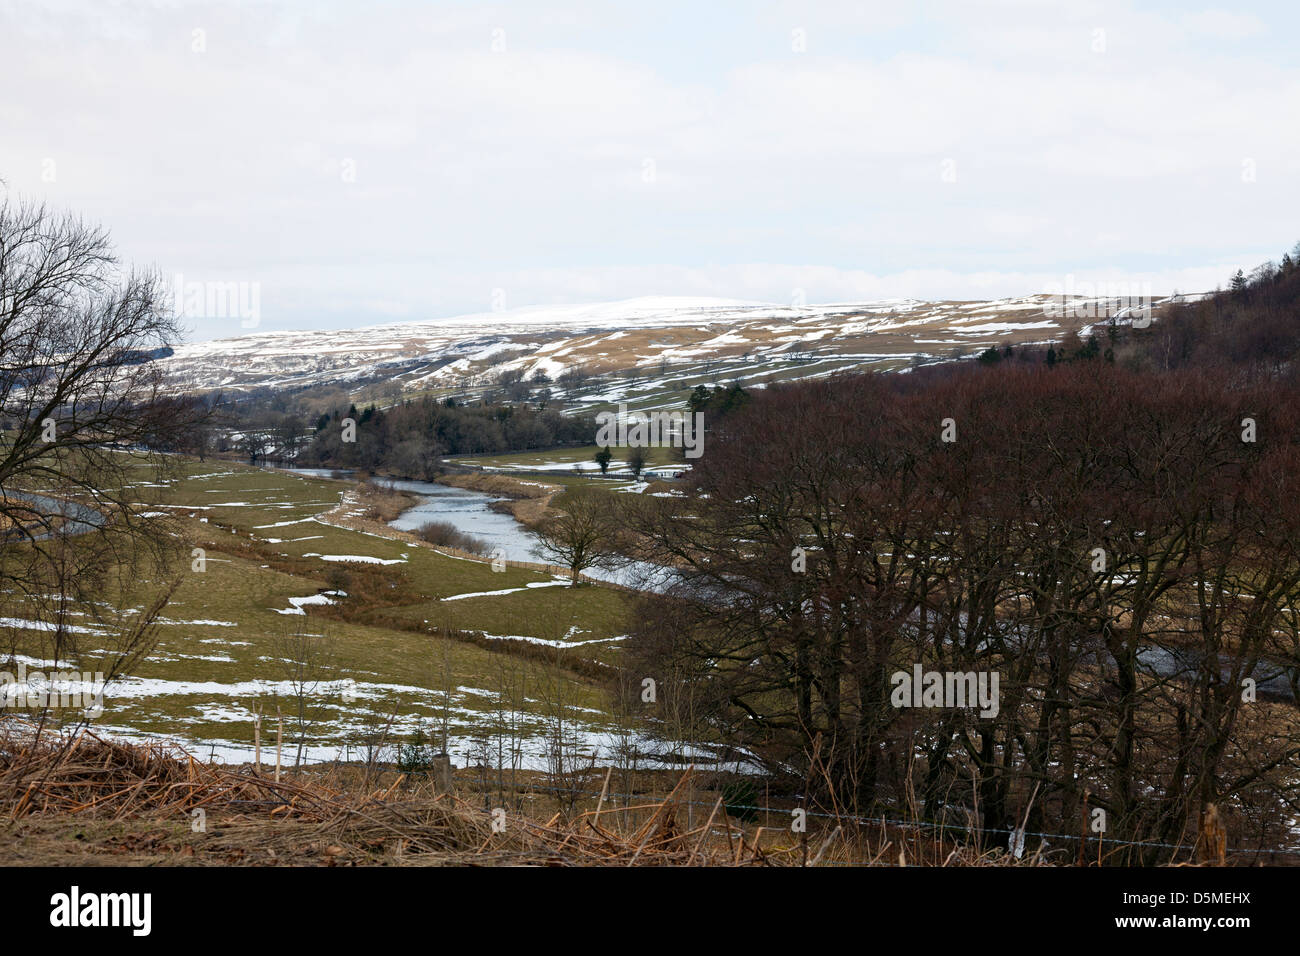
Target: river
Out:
[471,512]
[80,518]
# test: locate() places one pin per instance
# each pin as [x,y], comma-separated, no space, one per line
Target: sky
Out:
[348,164]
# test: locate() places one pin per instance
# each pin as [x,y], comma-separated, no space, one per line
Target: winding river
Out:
[471,512]
[467,511]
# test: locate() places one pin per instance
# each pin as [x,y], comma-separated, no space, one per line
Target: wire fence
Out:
[885,821]
[839,818]
[343,758]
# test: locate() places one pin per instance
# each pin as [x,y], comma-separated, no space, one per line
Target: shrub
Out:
[338,578]
[740,800]
[416,755]
[447,535]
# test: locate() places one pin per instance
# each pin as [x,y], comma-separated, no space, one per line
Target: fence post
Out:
[1212,841]
[442,781]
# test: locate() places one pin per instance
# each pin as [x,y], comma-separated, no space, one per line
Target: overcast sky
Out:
[368,162]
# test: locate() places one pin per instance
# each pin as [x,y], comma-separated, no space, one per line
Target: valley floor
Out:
[411,639]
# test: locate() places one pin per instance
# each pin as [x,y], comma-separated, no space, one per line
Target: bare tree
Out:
[1109,544]
[77,335]
[583,535]
[82,417]
[306,663]
[77,384]
[636,460]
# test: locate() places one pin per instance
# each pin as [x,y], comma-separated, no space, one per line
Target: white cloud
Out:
[1224,24]
[527,170]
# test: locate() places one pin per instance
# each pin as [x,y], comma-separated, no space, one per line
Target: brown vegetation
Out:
[446,535]
[88,800]
[382,503]
[528,501]
[1121,549]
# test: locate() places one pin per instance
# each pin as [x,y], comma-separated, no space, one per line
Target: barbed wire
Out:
[917,824]
[860,820]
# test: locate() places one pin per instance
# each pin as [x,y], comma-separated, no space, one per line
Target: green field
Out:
[554,459]
[226,642]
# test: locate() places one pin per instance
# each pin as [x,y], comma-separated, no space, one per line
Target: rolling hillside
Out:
[641,340]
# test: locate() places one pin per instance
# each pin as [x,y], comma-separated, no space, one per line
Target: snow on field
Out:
[137,688]
[23,624]
[553,338]
[495,349]
[591,743]
[298,603]
[1005,326]
[557,583]
[282,524]
[549,643]
[357,558]
[540,465]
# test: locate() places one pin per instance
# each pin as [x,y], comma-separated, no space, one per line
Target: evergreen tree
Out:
[699,398]
[733,398]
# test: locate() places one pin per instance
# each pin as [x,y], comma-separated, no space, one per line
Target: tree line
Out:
[1119,548]
[411,438]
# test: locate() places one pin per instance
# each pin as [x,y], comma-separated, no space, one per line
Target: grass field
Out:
[561,461]
[227,643]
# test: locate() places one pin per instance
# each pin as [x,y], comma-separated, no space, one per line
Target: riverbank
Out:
[371,507]
[478,505]
[528,502]
[15,522]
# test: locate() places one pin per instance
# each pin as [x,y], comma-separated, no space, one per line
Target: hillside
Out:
[641,338]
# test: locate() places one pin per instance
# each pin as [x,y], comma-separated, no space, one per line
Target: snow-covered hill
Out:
[659,335]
